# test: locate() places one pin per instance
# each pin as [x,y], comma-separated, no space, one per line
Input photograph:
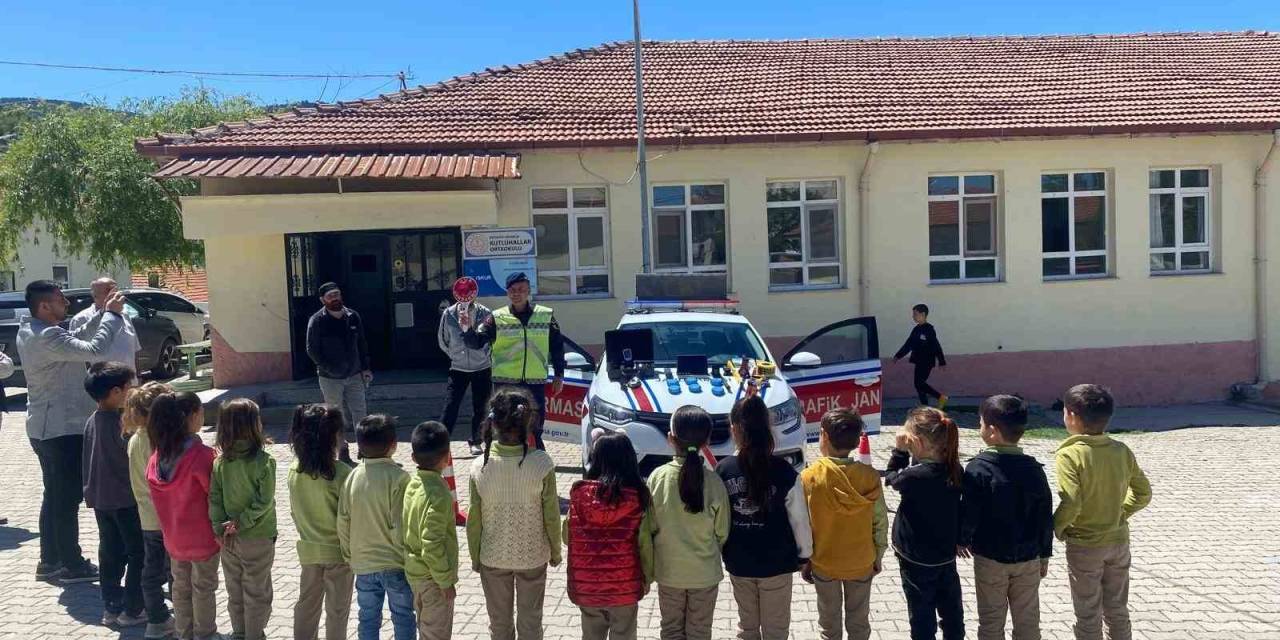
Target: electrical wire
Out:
[229,74]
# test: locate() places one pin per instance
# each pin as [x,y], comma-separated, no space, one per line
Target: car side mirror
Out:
[804,359]
[576,360]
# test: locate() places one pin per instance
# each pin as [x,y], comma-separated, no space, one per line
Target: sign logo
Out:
[490,255]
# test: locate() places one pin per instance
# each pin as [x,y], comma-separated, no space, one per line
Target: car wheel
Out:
[167,360]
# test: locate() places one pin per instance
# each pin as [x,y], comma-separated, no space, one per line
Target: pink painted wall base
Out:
[232,368]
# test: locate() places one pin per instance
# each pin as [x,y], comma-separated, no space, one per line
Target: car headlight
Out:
[786,412]
[610,413]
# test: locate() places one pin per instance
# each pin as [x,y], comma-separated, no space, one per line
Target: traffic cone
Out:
[864,450]
[459,518]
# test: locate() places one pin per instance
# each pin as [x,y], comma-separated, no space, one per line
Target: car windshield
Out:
[719,341]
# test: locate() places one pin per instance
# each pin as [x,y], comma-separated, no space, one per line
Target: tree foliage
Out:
[72,175]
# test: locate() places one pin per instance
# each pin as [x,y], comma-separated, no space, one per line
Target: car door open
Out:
[566,409]
[837,366]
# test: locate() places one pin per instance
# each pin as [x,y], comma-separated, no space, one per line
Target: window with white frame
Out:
[1073,224]
[963,244]
[689,228]
[1180,221]
[803,223]
[62,275]
[573,240]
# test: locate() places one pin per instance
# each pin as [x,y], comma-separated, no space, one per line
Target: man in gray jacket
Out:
[468,367]
[57,408]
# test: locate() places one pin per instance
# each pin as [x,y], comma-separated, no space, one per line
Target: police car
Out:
[695,354]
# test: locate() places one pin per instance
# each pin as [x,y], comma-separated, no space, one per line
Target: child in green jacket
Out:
[430,537]
[315,481]
[1100,487]
[242,508]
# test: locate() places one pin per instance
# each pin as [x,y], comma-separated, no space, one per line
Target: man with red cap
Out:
[468,366]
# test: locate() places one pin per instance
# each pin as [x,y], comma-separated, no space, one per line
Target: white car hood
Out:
[654,395]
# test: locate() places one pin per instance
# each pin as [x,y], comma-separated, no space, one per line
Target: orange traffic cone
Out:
[864,450]
[459,518]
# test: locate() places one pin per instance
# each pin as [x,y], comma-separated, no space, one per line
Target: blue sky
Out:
[436,40]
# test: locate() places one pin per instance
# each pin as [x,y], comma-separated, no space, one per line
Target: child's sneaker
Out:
[942,402]
[131,619]
[110,619]
[160,631]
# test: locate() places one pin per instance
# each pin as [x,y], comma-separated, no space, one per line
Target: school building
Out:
[1073,208]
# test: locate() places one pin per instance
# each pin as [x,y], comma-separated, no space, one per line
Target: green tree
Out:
[73,176]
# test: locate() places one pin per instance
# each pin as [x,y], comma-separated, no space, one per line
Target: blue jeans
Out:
[370,589]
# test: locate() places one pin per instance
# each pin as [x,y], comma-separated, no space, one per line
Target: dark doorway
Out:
[399,281]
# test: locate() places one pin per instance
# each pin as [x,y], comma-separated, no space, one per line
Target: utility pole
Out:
[641,165]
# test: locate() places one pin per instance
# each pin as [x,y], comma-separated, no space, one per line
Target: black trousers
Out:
[933,593]
[155,573]
[921,379]
[120,556]
[60,507]
[481,384]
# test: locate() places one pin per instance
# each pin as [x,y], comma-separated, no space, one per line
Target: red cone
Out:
[459,518]
[864,450]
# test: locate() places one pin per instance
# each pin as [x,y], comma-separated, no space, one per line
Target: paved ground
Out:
[1206,552]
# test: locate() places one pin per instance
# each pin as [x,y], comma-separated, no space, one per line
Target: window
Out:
[963,245]
[573,241]
[689,232]
[62,275]
[803,223]
[1180,222]
[166,302]
[1073,218]
[7,281]
[424,261]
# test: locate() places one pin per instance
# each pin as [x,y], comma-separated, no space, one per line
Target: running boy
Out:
[850,528]
[1006,522]
[926,352]
[1099,488]
[370,533]
[430,535]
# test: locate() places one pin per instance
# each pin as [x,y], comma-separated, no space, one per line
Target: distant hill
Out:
[15,111]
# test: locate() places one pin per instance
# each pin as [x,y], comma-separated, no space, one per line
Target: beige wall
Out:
[1021,313]
[36,257]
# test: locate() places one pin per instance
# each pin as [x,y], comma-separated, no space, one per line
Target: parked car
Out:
[192,321]
[158,334]
[836,366]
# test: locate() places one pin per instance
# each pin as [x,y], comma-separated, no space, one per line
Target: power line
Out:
[233,74]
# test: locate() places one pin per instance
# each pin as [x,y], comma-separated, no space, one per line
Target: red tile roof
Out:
[191,282]
[340,165]
[744,91]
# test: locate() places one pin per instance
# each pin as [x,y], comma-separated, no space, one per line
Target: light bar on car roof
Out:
[657,305]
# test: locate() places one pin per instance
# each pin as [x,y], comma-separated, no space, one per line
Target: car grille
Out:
[662,422]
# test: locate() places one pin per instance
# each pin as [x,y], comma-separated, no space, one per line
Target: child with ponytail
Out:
[769,534]
[926,529]
[155,560]
[513,523]
[691,517]
[178,475]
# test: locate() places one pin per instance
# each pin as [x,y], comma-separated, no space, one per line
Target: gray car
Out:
[158,334]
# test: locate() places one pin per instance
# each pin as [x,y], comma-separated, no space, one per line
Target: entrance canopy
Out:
[345,165]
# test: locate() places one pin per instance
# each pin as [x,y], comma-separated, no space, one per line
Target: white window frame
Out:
[960,198]
[573,214]
[805,263]
[66,284]
[1179,248]
[686,210]
[1071,194]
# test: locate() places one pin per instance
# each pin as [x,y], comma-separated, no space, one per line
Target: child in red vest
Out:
[610,541]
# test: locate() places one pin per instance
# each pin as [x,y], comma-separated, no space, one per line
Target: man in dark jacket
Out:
[925,352]
[336,343]
[1006,522]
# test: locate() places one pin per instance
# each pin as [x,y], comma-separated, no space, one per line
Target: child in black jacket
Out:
[926,352]
[927,523]
[1006,522]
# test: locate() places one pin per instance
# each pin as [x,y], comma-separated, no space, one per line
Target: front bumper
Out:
[653,450]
